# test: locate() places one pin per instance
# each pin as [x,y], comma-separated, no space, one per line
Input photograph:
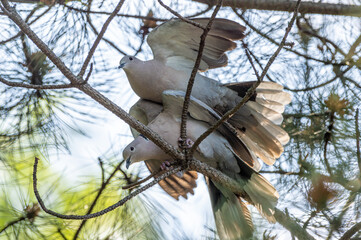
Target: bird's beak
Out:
[121,65]
[128,162]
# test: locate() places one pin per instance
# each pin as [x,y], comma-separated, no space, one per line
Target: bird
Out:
[175,46]
[223,150]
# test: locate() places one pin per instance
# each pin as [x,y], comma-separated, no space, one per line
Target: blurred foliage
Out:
[21,218]
[318,176]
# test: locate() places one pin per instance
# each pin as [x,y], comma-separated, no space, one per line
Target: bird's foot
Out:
[165,165]
[179,174]
[185,143]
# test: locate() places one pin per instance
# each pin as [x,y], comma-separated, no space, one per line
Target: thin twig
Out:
[104,211]
[104,39]
[30,23]
[246,50]
[12,223]
[183,133]
[281,172]
[340,74]
[326,62]
[133,185]
[100,36]
[358,153]
[118,14]
[327,139]
[313,214]
[209,7]
[251,90]
[133,16]
[140,46]
[349,233]
[288,29]
[61,234]
[180,16]
[100,161]
[89,73]
[34,86]
[100,191]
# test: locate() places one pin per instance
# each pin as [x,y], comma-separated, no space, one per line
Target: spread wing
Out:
[176,43]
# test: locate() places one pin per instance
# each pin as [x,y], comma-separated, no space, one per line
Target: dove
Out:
[175,46]
[233,219]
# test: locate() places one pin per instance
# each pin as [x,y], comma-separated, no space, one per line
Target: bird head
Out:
[142,149]
[127,61]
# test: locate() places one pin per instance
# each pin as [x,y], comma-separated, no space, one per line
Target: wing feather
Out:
[176,43]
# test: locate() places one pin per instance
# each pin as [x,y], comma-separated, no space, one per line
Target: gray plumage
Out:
[252,133]
[174,45]
[217,152]
[176,186]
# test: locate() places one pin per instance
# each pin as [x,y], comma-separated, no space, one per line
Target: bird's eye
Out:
[132,149]
[130,58]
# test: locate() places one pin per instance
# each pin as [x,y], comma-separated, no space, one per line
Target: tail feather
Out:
[274,96]
[257,150]
[269,98]
[232,217]
[270,86]
[268,113]
[276,131]
[262,195]
[275,106]
[257,189]
[260,136]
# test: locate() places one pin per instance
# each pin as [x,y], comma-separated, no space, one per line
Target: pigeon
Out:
[175,46]
[223,150]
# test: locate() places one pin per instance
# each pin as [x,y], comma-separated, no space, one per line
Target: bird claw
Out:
[165,165]
[185,143]
[179,174]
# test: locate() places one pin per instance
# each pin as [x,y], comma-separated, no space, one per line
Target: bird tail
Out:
[262,195]
[259,119]
[258,190]
[232,217]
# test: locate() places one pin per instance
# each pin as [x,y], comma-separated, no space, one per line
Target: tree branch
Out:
[184,116]
[12,223]
[30,23]
[289,6]
[180,16]
[291,225]
[251,90]
[100,36]
[105,39]
[237,187]
[86,88]
[133,185]
[104,211]
[349,233]
[34,86]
